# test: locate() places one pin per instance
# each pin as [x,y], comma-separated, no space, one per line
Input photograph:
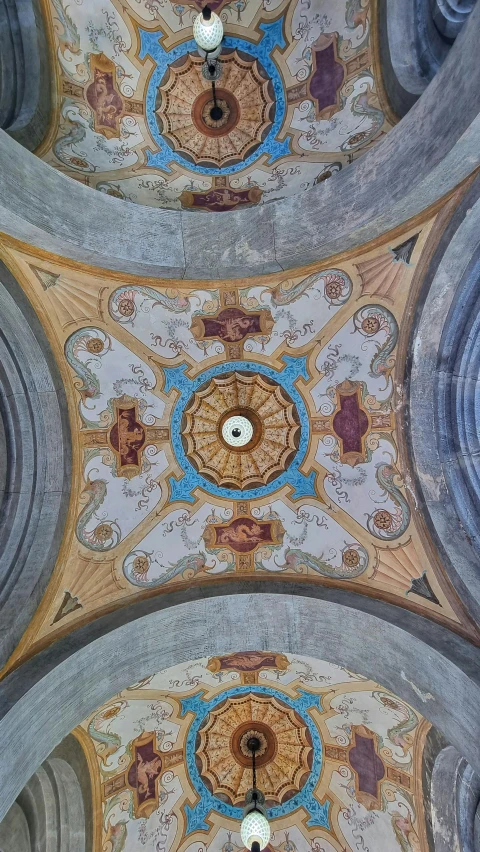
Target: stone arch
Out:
[25,84]
[47,697]
[53,811]
[34,466]
[415,37]
[445,347]
[455,803]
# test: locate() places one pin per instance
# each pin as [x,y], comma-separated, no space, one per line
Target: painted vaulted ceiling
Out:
[340,758]
[300,86]
[321,494]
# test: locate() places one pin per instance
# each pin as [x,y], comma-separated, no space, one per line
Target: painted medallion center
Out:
[220,131]
[241,430]
[283,759]
[237,431]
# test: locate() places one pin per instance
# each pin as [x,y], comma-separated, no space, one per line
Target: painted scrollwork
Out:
[95,343]
[125,302]
[370,320]
[382,523]
[354,563]
[138,563]
[106,533]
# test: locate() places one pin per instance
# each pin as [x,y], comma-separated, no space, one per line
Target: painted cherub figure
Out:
[146,770]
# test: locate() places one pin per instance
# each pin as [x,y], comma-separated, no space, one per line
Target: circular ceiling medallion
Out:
[283,759]
[237,431]
[187,118]
[202,111]
[241,430]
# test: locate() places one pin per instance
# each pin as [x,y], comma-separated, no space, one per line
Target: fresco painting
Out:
[175,790]
[303,98]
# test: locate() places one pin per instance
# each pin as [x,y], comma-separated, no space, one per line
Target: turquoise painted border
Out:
[181,489]
[271,37]
[196,816]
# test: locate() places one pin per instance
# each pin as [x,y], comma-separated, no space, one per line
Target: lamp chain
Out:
[254,772]
[215,104]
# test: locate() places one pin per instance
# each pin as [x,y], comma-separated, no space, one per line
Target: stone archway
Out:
[34,464]
[54,809]
[443,389]
[440,683]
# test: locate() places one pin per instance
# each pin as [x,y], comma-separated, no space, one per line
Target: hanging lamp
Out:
[208,30]
[208,35]
[255,828]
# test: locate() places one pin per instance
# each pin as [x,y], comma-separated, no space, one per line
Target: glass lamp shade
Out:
[208,34]
[237,431]
[255,827]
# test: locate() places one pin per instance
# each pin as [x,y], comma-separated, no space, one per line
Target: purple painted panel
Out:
[328,77]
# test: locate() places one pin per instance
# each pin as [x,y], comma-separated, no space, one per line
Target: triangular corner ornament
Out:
[403,252]
[421,586]
[47,279]
[68,605]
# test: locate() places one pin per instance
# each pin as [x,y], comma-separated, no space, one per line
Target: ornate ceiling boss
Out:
[241,430]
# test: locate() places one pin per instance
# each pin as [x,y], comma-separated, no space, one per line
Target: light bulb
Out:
[237,431]
[255,827]
[208,32]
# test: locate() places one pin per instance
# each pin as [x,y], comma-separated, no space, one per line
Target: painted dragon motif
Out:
[116,836]
[295,559]
[192,564]
[335,283]
[381,523]
[79,340]
[337,288]
[107,534]
[371,319]
[398,733]
[362,107]
[70,37]
[109,741]
[284,295]
[63,148]
[356,15]
[403,826]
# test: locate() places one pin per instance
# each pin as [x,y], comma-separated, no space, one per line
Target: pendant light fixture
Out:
[208,35]
[208,30]
[255,829]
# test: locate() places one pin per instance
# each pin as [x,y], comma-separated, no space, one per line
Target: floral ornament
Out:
[337,286]
[110,712]
[383,520]
[126,301]
[369,321]
[350,557]
[112,189]
[140,566]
